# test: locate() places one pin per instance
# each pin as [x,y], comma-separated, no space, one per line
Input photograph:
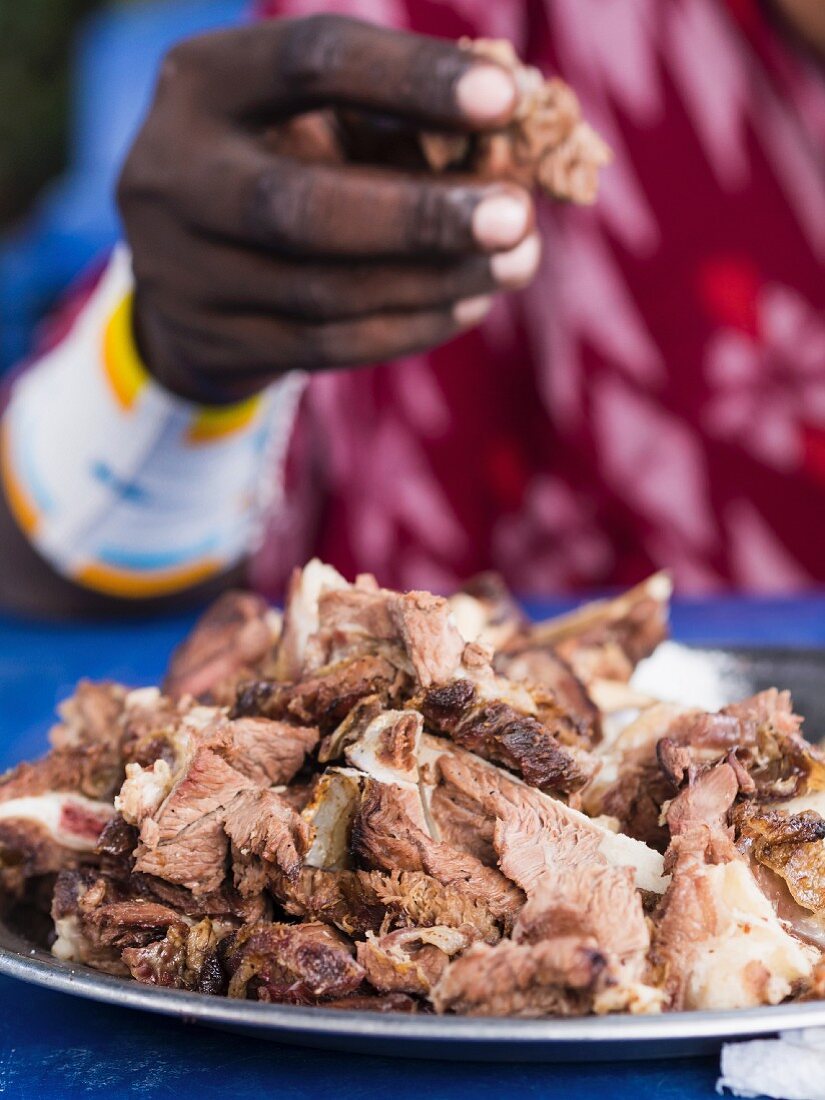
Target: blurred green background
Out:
[35,40]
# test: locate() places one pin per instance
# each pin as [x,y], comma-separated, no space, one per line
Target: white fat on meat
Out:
[143,790]
[750,944]
[71,820]
[371,752]
[469,616]
[813,800]
[300,619]
[330,815]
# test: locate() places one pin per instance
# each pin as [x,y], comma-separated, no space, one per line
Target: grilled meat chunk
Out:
[294,963]
[717,942]
[410,960]
[229,643]
[498,732]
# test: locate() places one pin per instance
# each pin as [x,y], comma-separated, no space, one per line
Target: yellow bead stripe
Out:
[138,586]
[212,423]
[122,364]
[127,376]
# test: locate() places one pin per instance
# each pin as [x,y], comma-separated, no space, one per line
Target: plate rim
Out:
[36,967]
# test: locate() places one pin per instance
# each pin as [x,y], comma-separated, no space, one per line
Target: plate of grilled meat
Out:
[404,823]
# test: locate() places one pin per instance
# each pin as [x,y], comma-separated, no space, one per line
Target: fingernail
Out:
[486,93]
[500,221]
[472,310]
[519,265]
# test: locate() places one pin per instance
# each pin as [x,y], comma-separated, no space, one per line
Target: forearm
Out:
[117,495]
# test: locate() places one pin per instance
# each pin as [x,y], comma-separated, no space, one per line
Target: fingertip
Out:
[518,266]
[486,94]
[471,311]
[502,219]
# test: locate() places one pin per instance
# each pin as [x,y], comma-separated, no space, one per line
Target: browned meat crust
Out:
[608,638]
[498,732]
[186,958]
[296,963]
[410,960]
[759,737]
[791,845]
[552,978]
[322,700]
[543,667]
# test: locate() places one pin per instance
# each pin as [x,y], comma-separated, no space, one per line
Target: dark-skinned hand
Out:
[262,243]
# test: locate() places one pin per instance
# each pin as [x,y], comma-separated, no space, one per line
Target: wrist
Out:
[168,365]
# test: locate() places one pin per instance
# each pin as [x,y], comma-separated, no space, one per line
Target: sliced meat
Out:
[294,963]
[498,732]
[607,639]
[410,960]
[321,700]
[531,831]
[644,767]
[301,615]
[56,771]
[228,644]
[358,902]
[387,747]
[94,922]
[430,637]
[92,769]
[267,752]
[599,903]
[485,611]
[543,667]
[462,823]
[414,631]
[148,727]
[792,845]
[265,833]
[44,833]
[342,898]
[225,905]
[116,846]
[184,841]
[700,815]
[781,763]
[412,898]
[564,863]
[389,834]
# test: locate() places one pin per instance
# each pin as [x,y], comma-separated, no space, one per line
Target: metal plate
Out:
[705,677]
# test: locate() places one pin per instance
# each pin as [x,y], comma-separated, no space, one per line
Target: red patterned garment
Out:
[658,396]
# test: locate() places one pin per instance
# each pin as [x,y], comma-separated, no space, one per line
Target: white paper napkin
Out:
[791,1067]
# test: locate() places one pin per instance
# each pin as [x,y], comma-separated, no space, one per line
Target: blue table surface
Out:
[53,1045]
